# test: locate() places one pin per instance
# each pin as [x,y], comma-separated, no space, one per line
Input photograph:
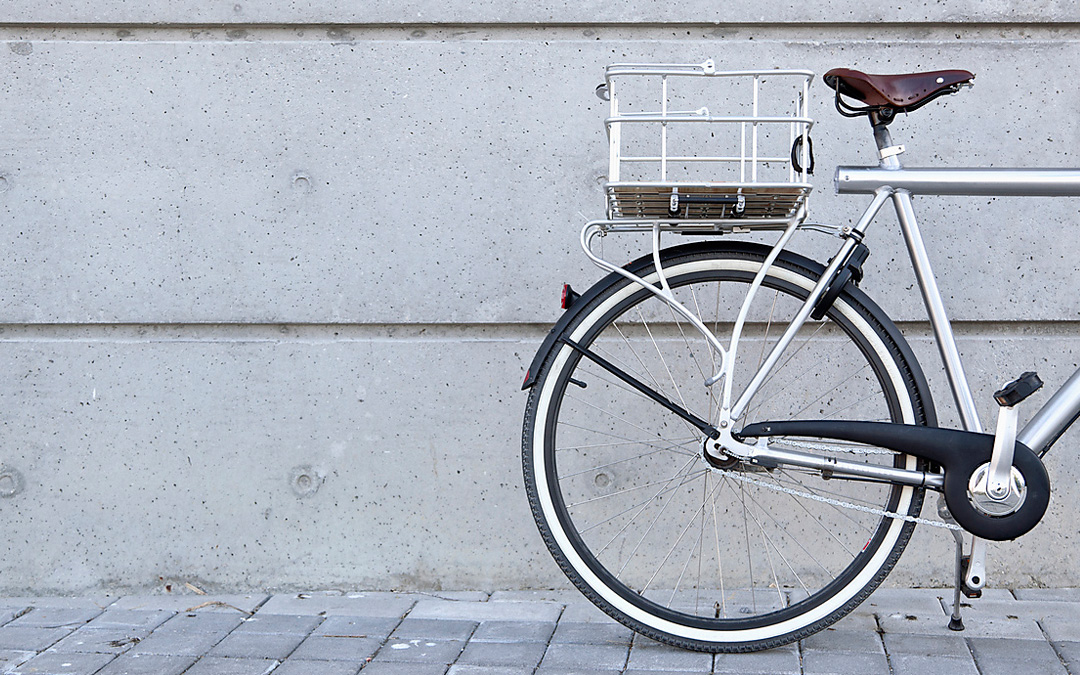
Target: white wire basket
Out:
[690,169]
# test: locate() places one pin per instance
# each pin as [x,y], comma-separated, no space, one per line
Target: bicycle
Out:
[739,494]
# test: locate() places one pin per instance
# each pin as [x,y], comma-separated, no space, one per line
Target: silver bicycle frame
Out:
[1063,408]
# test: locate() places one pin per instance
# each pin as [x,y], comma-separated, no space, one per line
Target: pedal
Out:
[1019,389]
[968,591]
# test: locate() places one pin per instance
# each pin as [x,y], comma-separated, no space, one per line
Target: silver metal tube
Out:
[969,416]
[843,467]
[976,182]
[1055,415]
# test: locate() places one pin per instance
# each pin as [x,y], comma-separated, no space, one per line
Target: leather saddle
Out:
[901,93]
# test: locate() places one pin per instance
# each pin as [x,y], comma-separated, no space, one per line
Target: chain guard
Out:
[960,454]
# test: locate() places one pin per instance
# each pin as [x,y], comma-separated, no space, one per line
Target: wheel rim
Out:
[591,506]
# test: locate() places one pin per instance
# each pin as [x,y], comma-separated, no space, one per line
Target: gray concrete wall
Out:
[273,272]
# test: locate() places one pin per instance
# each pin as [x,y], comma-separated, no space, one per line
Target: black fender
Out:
[959,453]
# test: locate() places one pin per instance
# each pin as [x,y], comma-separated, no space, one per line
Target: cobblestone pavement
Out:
[510,633]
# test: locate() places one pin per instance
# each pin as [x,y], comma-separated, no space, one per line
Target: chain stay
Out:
[836,502]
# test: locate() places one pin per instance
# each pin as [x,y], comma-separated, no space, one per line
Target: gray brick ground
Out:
[514,631]
[357,626]
[51,662]
[213,665]
[780,660]
[385,605]
[1070,653]
[30,638]
[336,649]
[131,618]
[279,623]
[1003,656]
[845,641]
[586,657]
[184,603]
[572,671]
[422,651]
[177,644]
[101,641]
[57,617]
[576,632]
[434,629]
[10,658]
[486,611]
[387,668]
[525,654]
[465,669]
[276,646]
[924,645]
[843,663]
[147,664]
[649,655]
[292,667]
[1048,594]
[921,664]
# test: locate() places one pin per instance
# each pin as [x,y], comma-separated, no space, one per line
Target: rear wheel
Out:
[718,556]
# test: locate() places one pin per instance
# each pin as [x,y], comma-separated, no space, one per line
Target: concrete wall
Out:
[272,272]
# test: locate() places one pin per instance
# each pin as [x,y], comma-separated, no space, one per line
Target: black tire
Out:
[730,558]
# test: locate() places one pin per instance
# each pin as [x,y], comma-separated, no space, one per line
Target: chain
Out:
[837,502]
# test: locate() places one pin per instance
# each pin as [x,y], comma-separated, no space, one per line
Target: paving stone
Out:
[845,641]
[56,617]
[214,665]
[466,669]
[9,658]
[467,596]
[52,663]
[377,667]
[514,631]
[780,660]
[435,629]
[916,624]
[486,611]
[583,612]
[276,646]
[1048,594]
[521,655]
[177,643]
[921,664]
[1070,652]
[131,618]
[1003,656]
[357,626]
[293,667]
[860,619]
[192,603]
[200,623]
[906,600]
[385,605]
[650,655]
[574,671]
[101,640]
[30,638]
[147,664]
[924,645]
[279,623]
[561,596]
[99,602]
[320,648]
[577,632]
[422,651]
[843,663]
[588,657]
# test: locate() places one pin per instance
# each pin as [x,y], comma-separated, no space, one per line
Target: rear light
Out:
[569,296]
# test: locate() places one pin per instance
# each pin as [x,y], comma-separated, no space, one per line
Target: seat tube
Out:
[946,342]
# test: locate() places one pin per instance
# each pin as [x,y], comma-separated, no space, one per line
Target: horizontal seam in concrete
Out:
[349,33]
[452,332]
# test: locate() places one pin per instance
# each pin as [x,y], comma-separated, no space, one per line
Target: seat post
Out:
[887,152]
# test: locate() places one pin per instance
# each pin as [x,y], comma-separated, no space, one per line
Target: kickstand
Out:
[956,622]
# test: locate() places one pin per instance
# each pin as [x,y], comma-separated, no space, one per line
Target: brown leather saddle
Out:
[901,93]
